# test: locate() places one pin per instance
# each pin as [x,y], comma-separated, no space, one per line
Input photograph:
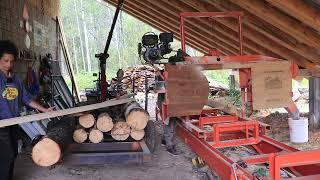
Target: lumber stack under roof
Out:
[282,29]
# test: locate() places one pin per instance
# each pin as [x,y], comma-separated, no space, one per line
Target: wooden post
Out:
[314,102]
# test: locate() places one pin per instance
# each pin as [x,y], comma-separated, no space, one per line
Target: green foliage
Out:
[83,79]
[303,84]
[235,96]
[218,75]
[96,16]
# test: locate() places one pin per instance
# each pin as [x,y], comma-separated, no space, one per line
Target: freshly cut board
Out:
[36,117]
[187,90]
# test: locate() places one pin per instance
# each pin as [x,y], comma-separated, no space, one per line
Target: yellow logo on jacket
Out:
[10,93]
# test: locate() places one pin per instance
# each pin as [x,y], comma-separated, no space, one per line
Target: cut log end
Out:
[80,135]
[95,136]
[137,134]
[138,119]
[46,152]
[86,120]
[120,131]
[104,122]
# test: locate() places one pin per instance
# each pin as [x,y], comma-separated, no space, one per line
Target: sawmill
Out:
[212,89]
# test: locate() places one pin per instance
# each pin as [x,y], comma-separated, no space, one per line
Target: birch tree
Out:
[85,33]
[80,37]
[75,55]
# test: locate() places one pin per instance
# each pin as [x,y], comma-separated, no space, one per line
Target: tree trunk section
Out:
[137,134]
[75,55]
[80,135]
[136,117]
[95,135]
[104,122]
[120,131]
[50,148]
[226,105]
[86,120]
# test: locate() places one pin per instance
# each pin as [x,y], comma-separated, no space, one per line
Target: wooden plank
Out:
[36,117]
[282,21]
[270,36]
[187,90]
[271,84]
[299,10]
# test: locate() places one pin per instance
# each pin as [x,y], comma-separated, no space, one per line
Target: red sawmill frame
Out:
[238,131]
[230,131]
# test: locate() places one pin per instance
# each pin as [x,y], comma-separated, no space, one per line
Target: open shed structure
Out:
[281,29]
[286,30]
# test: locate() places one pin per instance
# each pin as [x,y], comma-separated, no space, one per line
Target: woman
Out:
[12,96]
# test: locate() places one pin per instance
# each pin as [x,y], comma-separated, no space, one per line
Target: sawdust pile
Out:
[280,131]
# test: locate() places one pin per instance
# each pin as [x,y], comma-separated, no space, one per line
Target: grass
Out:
[83,80]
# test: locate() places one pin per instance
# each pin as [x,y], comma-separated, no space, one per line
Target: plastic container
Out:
[298,130]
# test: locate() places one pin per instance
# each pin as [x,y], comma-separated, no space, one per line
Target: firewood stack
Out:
[129,121]
[138,74]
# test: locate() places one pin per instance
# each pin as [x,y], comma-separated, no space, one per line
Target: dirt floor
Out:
[163,166]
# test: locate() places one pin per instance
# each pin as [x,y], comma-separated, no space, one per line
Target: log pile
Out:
[138,75]
[120,123]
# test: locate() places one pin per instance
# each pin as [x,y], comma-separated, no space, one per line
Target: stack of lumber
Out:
[138,75]
[130,121]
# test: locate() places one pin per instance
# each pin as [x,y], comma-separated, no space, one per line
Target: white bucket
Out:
[298,130]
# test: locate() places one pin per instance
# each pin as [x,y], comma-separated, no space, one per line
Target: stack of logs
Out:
[131,123]
[123,121]
[138,74]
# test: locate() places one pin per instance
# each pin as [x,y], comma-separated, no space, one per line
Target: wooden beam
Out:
[204,24]
[197,26]
[175,23]
[260,38]
[300,10]
[260,49]
[271,32]
[152,20]
[159,25]
[281,21]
